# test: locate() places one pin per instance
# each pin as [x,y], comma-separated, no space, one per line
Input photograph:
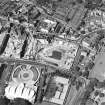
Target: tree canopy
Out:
[4,101]
[19,101]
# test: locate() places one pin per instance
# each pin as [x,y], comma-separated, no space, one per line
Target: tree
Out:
[49,39]
[73,80]
[81,58]
[91,65]
[19,101]
[77,68]
[79,1]
[94,81]
[4,43]
[103,103]
[92,4]
[90,87]
[4,101]
[90,102]
[2,68]
[85,74]
[77,73]
[85,97]
[101,33]
[44,2]
[104,83]
[78,85]
[101,94]
[22,53]
[96,93]
[100,85]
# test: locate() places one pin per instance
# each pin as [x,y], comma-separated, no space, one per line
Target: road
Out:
[25,61]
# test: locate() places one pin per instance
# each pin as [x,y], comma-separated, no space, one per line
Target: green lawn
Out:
[99,68]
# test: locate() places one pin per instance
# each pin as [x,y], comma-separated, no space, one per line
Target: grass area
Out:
[99,68]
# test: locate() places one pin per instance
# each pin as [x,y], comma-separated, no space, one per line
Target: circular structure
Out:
[26,74]
[91,102]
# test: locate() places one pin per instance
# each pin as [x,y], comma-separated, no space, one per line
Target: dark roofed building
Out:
[56,55]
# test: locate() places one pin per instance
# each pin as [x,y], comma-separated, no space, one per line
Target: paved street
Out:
[25,61]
